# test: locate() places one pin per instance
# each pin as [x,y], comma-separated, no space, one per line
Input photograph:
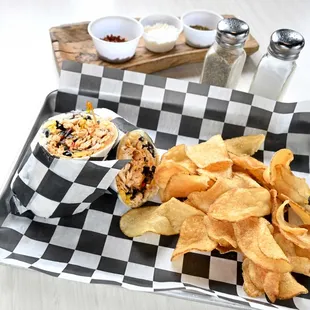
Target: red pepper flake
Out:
[112,38]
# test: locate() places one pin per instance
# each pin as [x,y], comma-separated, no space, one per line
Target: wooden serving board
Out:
[72,42]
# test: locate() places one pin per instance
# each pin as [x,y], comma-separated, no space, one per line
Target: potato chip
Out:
[188,202]
[226,173]
[211,154]
[240,203]
[224,250]
[246,145]
[282,157]
[193,237]
[177,154]
[302,252]
[284,225]
[220,231]
[250,238]
[287,246]
[181,185]
[252,166]
[248,285]
[165,219]
[165,171]
[303,241]
[289,287]
[247,180]
[203,200]
[257,275]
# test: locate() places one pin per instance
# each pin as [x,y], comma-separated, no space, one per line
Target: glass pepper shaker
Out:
[277,65]
[225,59]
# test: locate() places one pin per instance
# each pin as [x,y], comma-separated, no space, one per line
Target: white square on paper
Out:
[193,280]
[129,112]
[81,102]
[149,238]
[74,277]
[108,276]
[219,93]
[93,70]
[110,89]
[30,247]
[84,259]
[187,140]
[223,270]
[120,208]
[4,253]
[237,113]
[97,221]
[194,105]
[263,103]
[280,123]
[117,248]
[33,172]
[177,85]
[71,80]
[37,201]
[152,97]
[108,179]
[51,266]
[17,223]
[77,193]
[134,77]
[163,260]
[139,271]
[66,237]
[210,128]
[302,106]
[66,170]
[298,143]
[169,122]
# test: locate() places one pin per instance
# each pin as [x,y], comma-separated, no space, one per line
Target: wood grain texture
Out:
[72,42]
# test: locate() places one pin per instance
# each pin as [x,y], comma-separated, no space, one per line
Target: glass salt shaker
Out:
[225,59]
[277,65]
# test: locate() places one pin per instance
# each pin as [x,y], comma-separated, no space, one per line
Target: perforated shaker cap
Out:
[286,44]
[232,32]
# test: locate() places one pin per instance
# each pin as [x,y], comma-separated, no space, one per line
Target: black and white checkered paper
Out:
[90,247]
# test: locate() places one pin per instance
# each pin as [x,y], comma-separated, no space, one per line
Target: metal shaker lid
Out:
[286,44]
[232,32]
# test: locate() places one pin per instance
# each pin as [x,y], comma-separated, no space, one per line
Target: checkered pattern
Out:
[90,247]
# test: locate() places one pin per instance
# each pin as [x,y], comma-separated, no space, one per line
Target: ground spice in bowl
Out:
[198,27]
[115,39]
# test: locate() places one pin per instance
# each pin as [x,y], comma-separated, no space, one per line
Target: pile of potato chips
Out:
[215,195]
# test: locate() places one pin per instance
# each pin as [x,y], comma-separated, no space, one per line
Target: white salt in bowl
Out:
[126,27]
[164,44]
[200,38]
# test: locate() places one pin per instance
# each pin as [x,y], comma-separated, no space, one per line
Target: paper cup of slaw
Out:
[78,135]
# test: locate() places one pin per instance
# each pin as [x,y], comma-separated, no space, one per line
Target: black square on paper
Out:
[42,155]
[105,203]
[131,93]
[137,282]
[142,253]
[216,109]
[288,303]
[300,123]
[169,241]
[275,142]
[190,126]
[75,221]
[110,105]
[166,276]
[112,265]
[173,101]
[72,66]
[57,254]
[114,74]
[95,195]
[90,86]
[198,89]
[79,270]
[148,118]
[300,163]
[285,107]
[53,186]
[22,191]
[223,287]
[23,258]
[25,159]
[229,255]
[40,231]
[239,273]
[91,242]
[91,174]
[303,280]
[9,238]
[165,140]
[259,155]
[65,209]
[239,96]
[65,102]
[232,131]
[155,80]
[259,118]
[52,274]
[114,230]
[192,265]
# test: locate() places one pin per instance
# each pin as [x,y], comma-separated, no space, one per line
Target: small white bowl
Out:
[126,27]
[200,38]
[162,44]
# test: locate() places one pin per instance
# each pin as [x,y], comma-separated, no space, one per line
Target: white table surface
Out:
[28,73]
